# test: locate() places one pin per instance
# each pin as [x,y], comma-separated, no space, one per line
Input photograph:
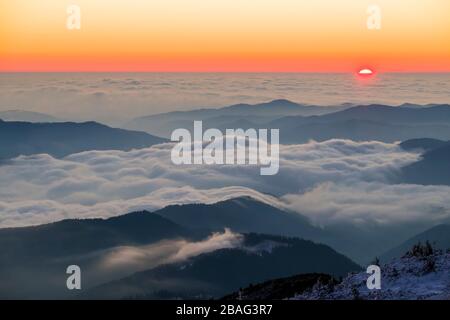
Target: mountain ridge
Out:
[210,275]
[60,139]
[27,116]
[361,122]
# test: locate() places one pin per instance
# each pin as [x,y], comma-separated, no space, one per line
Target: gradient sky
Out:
[225,35]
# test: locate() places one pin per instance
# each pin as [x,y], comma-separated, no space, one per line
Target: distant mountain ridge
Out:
[226,117]
[407,115]
[363,123]
[302,123]
[63,138]
[27,116]
[275,107]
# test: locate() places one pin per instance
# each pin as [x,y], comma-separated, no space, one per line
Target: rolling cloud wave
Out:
[335,180]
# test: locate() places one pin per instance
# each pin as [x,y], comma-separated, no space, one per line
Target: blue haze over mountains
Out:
[297,125]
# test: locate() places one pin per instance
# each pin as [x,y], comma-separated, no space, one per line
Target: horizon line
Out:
[225,72]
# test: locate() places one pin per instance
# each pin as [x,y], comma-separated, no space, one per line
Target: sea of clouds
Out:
[116,98]
[331,181]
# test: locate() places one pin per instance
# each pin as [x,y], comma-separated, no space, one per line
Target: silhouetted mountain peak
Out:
[283,101]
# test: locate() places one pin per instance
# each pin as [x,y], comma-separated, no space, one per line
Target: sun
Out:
[365,72]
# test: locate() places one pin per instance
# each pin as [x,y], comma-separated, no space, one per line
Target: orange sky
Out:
[224,35]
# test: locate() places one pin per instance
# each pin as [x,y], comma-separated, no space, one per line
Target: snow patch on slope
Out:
[407,278]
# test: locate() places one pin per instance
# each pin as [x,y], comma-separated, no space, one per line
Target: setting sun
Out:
[365,72]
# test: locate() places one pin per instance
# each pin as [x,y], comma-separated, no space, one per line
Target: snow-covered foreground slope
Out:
[407,278]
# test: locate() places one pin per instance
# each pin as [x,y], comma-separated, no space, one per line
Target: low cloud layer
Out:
[328,181]
[167,251]
[119,262]
[373,203]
